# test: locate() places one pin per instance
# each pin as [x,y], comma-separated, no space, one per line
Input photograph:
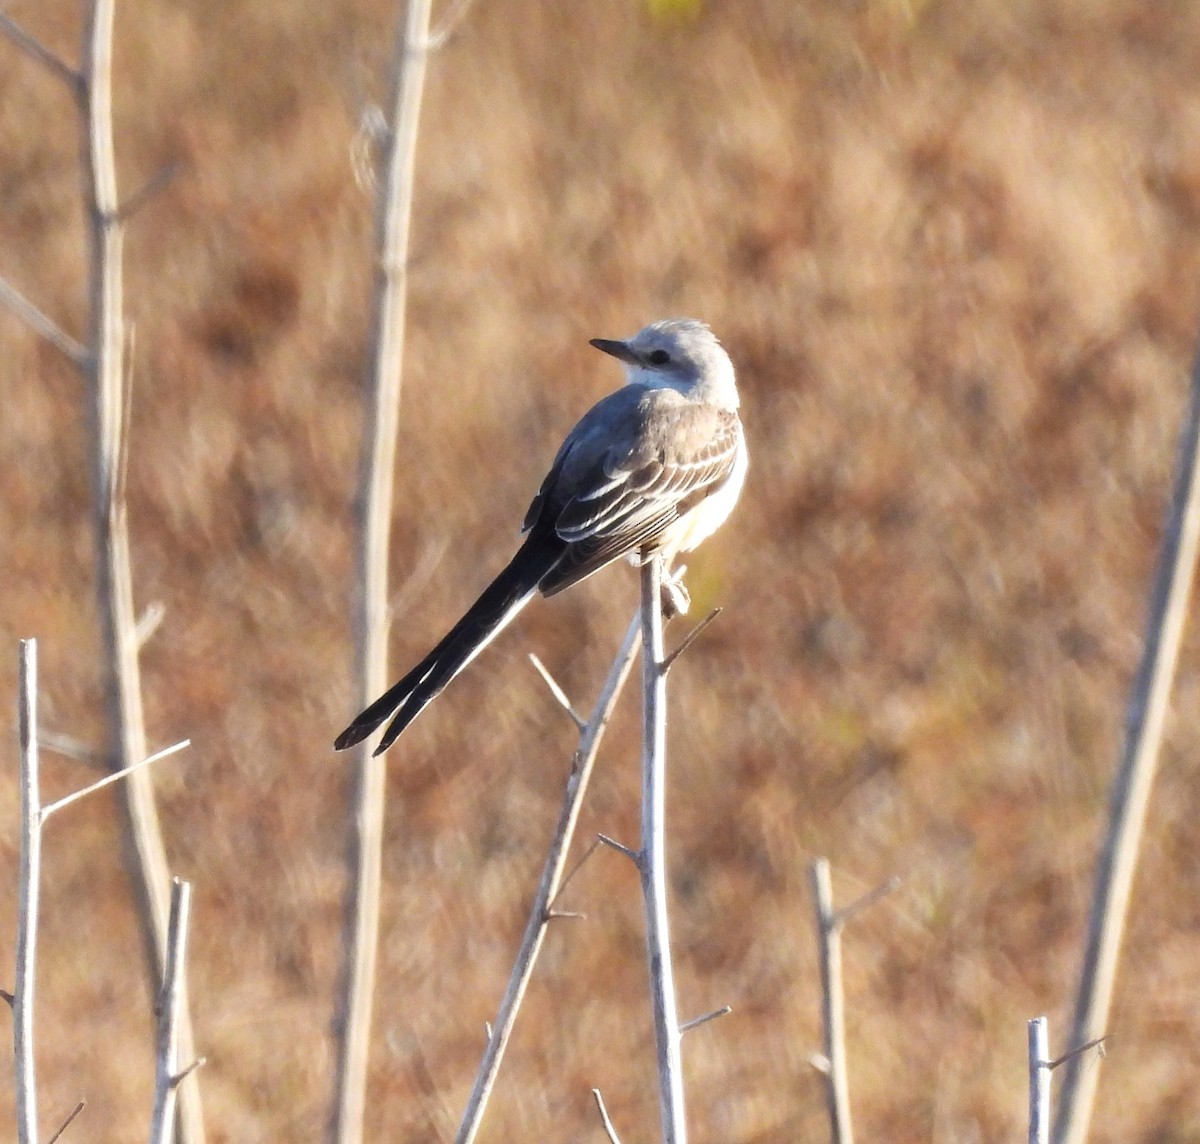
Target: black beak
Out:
[619,350]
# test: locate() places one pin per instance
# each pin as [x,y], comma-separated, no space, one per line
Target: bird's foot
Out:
[675,597]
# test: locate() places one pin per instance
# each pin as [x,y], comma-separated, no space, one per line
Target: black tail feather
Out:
[500,601]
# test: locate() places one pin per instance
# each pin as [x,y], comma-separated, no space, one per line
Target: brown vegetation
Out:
[953,250]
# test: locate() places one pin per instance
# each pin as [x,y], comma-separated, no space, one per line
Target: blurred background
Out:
[952,249]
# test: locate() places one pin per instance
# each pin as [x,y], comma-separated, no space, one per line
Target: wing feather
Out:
[647,458]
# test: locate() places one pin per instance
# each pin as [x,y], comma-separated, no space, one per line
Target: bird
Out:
[655,467]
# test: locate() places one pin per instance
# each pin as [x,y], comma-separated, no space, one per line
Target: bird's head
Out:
[682,353]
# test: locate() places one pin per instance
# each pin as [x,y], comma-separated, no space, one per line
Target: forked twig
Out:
[167,1076]
[548,887]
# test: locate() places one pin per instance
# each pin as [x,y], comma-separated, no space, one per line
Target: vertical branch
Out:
[833,1014]
[1039,1082]
[105,371]
[1135,777]
[392,220]
[652,859]
[27,908]
[167,1076]
[552,873]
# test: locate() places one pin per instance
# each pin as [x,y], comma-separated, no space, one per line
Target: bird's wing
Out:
[632,468]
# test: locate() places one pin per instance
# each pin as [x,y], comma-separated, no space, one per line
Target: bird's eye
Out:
[658,357]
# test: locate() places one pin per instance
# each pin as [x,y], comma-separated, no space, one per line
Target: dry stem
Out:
[833,1016]
[29,882]
[652,861]
[552,878]
[1039,1082]
[392,222]
[1135,776]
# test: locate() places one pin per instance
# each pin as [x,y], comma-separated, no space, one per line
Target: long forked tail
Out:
[484,620]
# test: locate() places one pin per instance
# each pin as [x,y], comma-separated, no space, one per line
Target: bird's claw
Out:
[675,597]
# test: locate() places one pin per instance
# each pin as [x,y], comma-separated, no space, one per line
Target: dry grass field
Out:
[954,250]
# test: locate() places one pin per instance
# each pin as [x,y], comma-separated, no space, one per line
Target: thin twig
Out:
[166,1073]
[1135,775]
[71,748]
[456,12]
[704,1018]
[150,621]
[570,874]
[116,776]
[155,185]
[833,1017]
[393,218]
[690,639]
[67,1123]
[633,855]
[1096,1043]
[560,696]
[548,887]
[35,49]
[609,1130]
[1039,1082]
[41,323]
[844,915]
[653,865]
[29,883]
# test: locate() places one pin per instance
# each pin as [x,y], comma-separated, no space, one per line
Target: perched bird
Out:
[655,467]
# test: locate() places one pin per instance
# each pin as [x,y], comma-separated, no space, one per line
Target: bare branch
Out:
[653,864]
[35,49]
[29,886]
[393,221]
[1135,774]
[550,884]
[41,323]
[559,694]
[564,915]
[1039,1082]
[696,1022]
[108,381]
[829,950]
[116,776]
[166,1073]
[609,1130]
[67,1123]
[689,639]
